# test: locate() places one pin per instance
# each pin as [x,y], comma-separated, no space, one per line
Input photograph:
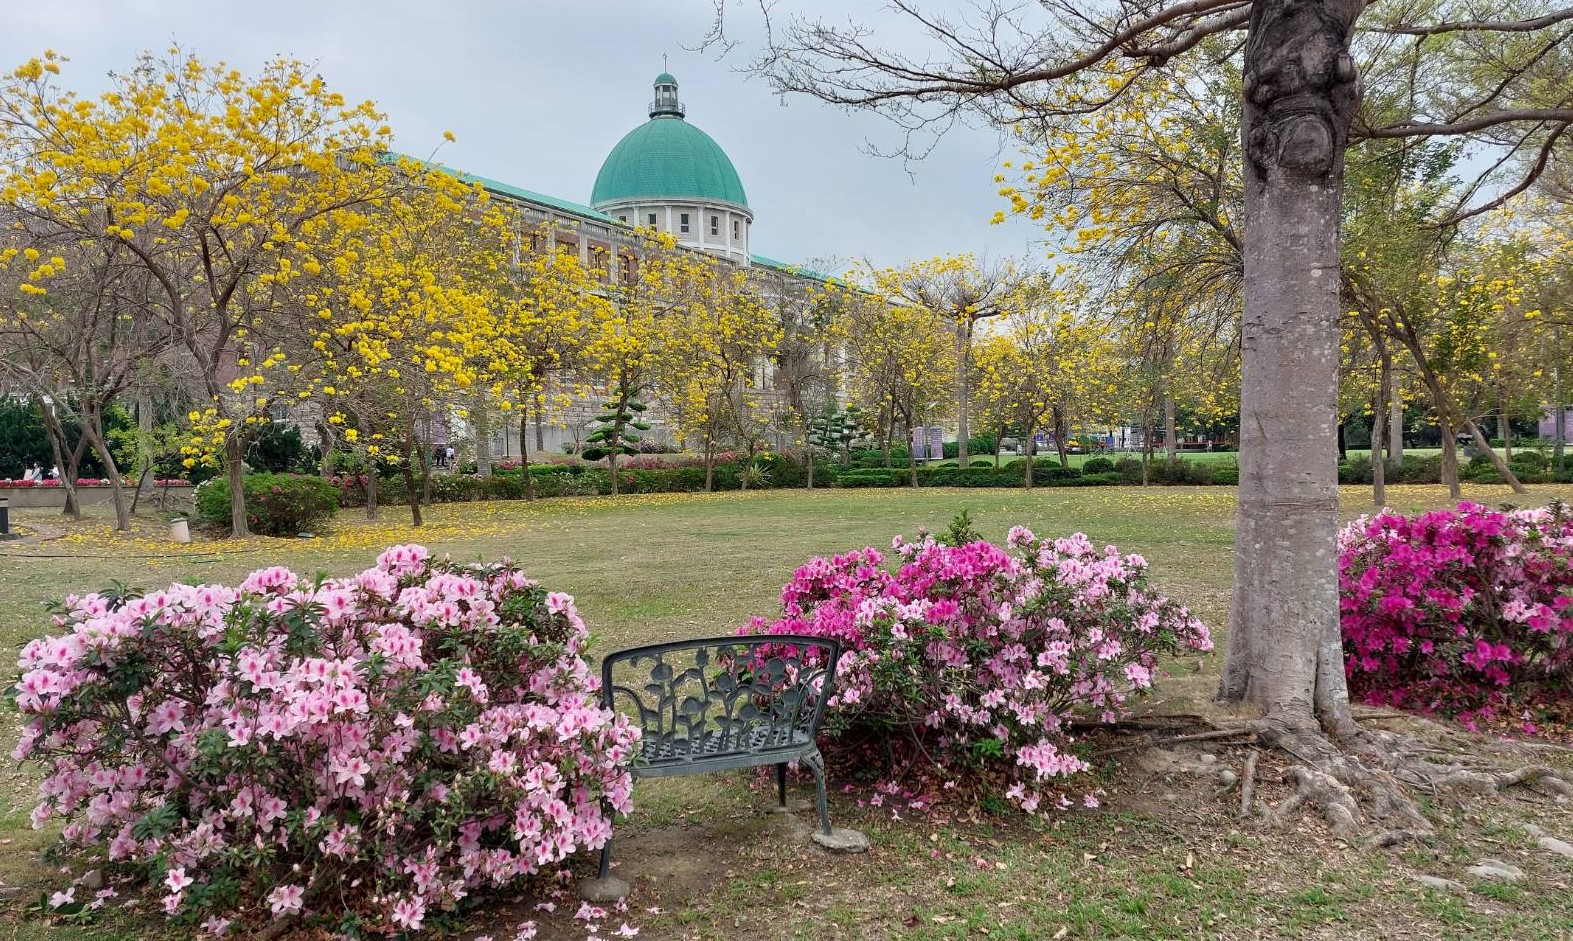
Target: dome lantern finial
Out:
[666,103]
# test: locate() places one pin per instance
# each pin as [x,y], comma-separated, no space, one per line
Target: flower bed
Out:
[356,753]
[1462,611]
[968,660]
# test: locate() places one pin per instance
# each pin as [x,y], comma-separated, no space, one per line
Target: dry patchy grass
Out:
[1162,859]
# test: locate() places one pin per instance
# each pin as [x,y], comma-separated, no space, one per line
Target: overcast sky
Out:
[538,92]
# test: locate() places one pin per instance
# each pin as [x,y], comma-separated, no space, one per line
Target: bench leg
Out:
[605,888]
[817,765]
[781,770]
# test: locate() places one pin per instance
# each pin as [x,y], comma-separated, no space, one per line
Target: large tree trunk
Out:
[1284,650]
[235,466]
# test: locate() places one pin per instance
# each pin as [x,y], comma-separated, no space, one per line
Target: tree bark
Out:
[1395,427]
[68,456]
[1171,440]
[540,424]
[1284,648]
[92,430]
[524,454]
[1379,431]
[1507,433]
[1061,432]
[410,492]
[483,440]
[1501,466]
[235,466]
[1027,477]
[1449,454]
[963,389]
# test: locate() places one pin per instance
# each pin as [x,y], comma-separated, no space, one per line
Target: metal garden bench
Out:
[718,703]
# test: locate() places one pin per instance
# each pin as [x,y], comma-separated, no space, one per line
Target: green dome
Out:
[667,157]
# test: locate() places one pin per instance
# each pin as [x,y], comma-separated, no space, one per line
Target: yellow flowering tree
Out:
[963,291]
[215,184]
[402,319]
[720,337]
[631,341]
[901,363]
[1048,366]
[545,304]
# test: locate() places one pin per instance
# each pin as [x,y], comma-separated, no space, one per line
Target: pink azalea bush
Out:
[1461,611]
[975,657]
[368,750]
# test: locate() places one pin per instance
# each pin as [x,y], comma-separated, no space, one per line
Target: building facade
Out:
[665,175]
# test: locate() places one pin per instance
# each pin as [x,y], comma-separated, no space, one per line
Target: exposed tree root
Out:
[1362,784]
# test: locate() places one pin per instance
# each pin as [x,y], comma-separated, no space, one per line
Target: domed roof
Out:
[667,157]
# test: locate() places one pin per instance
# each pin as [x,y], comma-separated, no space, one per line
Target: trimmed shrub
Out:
[872,478]
[276,504]
[571,485]
[355,755]
[1129,469]
[1461,611]
[1353,471]
[1224,475]
[968,660]
[1097,465]
[981,462]
[1108,479]
[1047,475]
[1416,470]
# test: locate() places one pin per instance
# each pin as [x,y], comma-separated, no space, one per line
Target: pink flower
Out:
[409,913]
[286,899]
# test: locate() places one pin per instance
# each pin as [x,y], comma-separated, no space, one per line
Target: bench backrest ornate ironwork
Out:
[723,702]
[716,703]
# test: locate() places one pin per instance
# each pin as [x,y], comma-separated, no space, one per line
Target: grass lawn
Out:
[1161,859]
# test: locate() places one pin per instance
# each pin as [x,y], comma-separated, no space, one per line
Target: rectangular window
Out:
[682,222]
[715,225]
[736,230]
[650,220]
[622,218]
[598,262]
[628,269]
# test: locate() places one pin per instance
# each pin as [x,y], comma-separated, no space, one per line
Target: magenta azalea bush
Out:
[365,751]
[974,657]
[1461,611]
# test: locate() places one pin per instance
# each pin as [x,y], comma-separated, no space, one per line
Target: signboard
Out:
[919,445]
[936,442]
